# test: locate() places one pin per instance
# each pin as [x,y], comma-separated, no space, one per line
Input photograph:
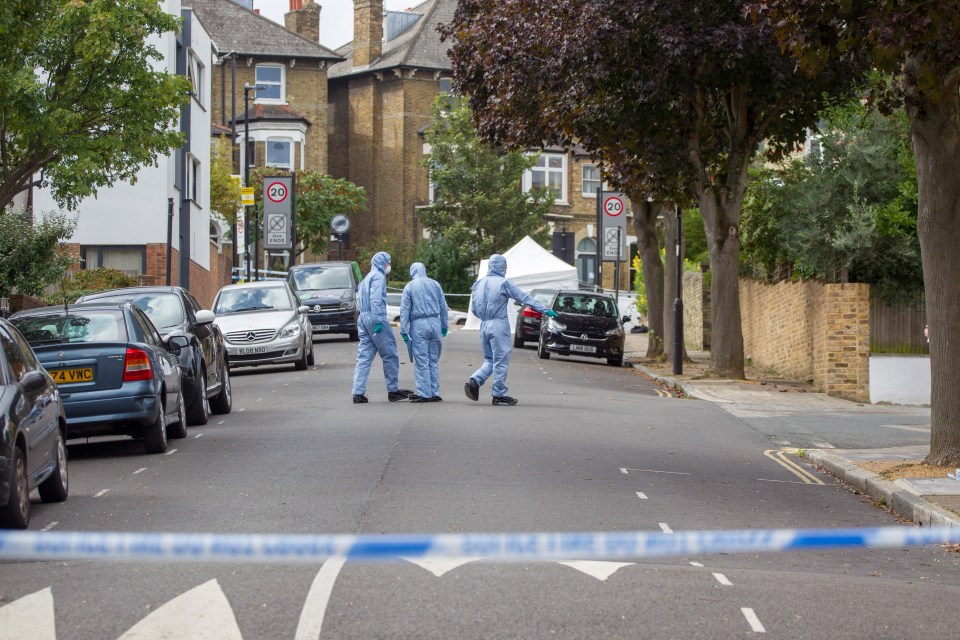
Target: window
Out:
[194,179]
[195,72]
[18,366]
[280,154]
[591,181]
[270,79]
[131,260]
[549,172]
[587,260]
[446,85]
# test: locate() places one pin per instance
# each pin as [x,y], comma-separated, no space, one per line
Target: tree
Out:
[81,103]
[31,257]
[674,95]
[224,189]
[319,197]
[479,205]
[920,43]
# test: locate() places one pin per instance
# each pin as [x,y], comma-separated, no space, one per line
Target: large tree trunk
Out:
[935,131]
[648,245]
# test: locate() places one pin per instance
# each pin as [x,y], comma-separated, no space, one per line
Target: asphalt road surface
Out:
[589,448]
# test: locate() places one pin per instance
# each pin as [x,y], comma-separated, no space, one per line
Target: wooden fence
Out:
[896,329]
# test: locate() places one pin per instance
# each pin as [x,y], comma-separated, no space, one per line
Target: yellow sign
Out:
[246,196]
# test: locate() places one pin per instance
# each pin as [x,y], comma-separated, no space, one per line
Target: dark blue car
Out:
[33,428]
[115,373]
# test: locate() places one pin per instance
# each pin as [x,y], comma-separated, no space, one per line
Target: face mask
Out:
[387,270]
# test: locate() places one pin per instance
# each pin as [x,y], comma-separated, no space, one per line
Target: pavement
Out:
[925,501]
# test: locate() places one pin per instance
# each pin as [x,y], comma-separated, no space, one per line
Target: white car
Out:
[454,318]
[264,323]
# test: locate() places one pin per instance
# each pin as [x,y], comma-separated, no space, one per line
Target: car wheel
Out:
[56,487]
[542,350]
[310,359]
[301,364]
[616,362]
[178,429]
[155,435]
[16,515]
[222,403]
[199,411]
[517,339]
[354,336]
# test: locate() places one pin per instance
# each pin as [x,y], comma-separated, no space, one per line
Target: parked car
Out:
[330,290]
[116,375]
[264,323]
[455,318]
[587,324]
[33,432]
[174,311]
[393,306]
[528,318]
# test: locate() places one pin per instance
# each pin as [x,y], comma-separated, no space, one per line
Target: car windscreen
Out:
[587,305]
[252,299]
[165,310]
[105,325]
[543,296]
[321,277]
[394,299]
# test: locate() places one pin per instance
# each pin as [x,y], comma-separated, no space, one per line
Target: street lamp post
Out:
[246,172]
[678,304]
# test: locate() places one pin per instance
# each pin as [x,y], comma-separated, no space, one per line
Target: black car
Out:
[329,289]
[33,432]
[587,324]
[175,312]
[528,318]
[116,375]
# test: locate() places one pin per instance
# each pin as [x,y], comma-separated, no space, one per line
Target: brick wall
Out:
[811,332]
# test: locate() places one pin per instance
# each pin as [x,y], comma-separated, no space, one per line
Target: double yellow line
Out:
[780,457]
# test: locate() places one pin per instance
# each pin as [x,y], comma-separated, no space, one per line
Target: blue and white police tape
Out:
[259,548]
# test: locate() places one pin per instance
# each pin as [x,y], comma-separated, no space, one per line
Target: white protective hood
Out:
[529,266]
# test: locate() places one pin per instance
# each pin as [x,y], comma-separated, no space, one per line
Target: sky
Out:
[336,17]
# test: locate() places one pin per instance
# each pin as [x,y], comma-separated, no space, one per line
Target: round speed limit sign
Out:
[613,206]
[277,192]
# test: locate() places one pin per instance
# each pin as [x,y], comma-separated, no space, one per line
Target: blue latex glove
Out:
[443,333]
[405,337]
[551,314]
[378,328]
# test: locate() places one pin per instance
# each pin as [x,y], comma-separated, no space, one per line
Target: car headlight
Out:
[349,305]
[292,330]
[616,331]
[554,325]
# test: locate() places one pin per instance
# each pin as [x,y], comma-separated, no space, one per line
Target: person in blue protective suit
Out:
[423,322]
[375,334]
[490,297]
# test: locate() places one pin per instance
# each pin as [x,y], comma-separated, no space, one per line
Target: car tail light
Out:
[137,366]
[531,313]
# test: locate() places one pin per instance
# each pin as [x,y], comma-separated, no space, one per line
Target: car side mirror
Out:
[205,316]
[625,319]
[303,309]
[33,381]
[177,343]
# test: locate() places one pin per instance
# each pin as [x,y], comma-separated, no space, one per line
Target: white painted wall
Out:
[900,379]
[201,47]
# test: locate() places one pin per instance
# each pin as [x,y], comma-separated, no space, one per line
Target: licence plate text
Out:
[321,327]
[582,348]
[246,351]
[71,376]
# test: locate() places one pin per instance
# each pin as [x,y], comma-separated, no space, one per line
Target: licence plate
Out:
[582,348]
[72,376]
[246,351]
[321,327]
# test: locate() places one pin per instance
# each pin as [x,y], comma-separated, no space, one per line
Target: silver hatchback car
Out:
[264,323]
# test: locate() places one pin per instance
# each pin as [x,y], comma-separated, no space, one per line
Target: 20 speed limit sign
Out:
[613,226]
[613,206]
[277,192]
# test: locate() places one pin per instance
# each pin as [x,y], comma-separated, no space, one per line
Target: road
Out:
[589,448]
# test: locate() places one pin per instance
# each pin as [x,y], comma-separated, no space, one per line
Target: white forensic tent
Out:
[529,266]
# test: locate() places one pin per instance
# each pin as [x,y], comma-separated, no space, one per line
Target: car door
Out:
[207,337]
[168,362]
[35,411]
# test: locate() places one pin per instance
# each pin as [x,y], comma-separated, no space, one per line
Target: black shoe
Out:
[472,389]
[505,401]
[399,394]
[416,398]
[359,398]
[436,399]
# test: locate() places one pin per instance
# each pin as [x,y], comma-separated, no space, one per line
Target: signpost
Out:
[339,224]
[278,213]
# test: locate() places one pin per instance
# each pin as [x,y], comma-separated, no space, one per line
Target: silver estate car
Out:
[264,323]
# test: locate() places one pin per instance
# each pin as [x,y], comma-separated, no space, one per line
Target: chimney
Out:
[367,31]
[304,19]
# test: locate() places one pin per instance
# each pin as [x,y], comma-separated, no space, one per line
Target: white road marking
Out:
[140,470]
[202,613]
[623,471]
[595,569]
[697,564]
[823,445]
[221,422]
[752,620]
[242,409]
[315,606]
[102,492]
[641,495]
[50,526]
[29,617]
[439,566]
[677,473]
[722,579]
[199,435]
[171,452]
[259,399]
[666,528]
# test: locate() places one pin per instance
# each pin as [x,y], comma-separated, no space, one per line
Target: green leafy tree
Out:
[479,204]
[224,188]
[674,95]
[919,42]
[31,256]
[319,198]
[85,281]
[81,103]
